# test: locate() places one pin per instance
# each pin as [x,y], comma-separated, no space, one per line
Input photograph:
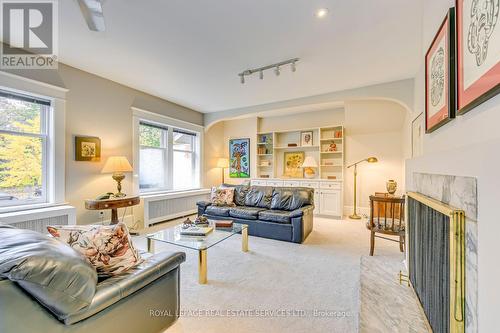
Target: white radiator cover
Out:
[163,207]
[39,219]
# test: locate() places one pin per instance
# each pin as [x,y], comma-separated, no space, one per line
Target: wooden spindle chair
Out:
[387,217]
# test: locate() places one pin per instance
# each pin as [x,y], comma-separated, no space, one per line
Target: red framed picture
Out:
[440,85]
[478,52]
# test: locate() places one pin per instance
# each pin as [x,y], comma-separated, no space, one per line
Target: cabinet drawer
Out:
[310,184]
[332,186]
[259,182]
[291,183]
[275,183]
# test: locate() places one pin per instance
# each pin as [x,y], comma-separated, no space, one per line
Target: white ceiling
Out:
[190,51]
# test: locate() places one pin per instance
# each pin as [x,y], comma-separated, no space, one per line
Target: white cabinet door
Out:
[316,202]
[330,202]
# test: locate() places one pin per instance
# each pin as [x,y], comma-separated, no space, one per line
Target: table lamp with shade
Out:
[309,165]
[223,163]
[355,215]
[117,165]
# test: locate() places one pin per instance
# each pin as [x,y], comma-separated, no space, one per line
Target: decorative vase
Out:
[309,173]
[391,186]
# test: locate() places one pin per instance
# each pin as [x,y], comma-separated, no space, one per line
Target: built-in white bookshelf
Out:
[327,149]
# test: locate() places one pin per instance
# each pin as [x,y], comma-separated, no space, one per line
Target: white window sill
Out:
[38,211]
[173,194]
[28,207]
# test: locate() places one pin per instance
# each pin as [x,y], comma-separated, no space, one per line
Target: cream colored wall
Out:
[214,149]
[372,128]
[99,107]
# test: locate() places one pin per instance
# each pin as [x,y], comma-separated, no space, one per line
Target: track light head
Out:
[277,71]
[261,74]
[294,67]
[242,78]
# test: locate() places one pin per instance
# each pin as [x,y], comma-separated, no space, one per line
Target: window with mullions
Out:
[185,158]
[169,158]
[24,129]
[153,141]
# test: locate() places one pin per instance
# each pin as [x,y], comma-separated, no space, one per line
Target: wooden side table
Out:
[112,204]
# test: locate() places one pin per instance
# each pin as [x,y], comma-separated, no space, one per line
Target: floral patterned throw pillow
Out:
[222,196]
[108,248]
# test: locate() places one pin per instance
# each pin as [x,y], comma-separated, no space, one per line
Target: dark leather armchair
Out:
[45,287]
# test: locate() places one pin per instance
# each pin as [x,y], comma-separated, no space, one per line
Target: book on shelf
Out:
[196,231]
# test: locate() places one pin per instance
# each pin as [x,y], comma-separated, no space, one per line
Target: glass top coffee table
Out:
[201,244]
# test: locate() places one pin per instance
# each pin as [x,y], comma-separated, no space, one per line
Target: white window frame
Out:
[171,124]
[45,116]
[56,137]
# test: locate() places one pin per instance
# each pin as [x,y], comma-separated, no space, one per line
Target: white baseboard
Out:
[363,211]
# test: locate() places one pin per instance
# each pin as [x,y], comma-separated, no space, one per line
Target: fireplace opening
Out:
[436,261]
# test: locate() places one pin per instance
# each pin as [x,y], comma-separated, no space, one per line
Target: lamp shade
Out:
[117,164]
[223,162]
[309,162]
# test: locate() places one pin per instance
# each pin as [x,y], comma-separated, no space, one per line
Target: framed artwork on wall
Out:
[306,139]
[478,52]
[292,164]
[239,158]
[417,134]
[87,148]
[440,76]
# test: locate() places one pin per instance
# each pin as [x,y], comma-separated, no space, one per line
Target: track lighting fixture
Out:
[276,67]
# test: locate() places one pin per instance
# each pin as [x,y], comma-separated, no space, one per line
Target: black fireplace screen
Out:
[429,262]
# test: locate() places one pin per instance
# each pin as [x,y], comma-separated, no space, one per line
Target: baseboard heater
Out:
[436,253]
[156,208]
[39,219]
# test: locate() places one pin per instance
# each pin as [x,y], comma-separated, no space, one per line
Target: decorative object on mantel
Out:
[117,165]
[276,66]
[391,186]
[309,165]
[478,52]
[222,163]
[292,145]
[440,76]
[306,139]
[87,148]
[292,164]
[355,215]
[239,158]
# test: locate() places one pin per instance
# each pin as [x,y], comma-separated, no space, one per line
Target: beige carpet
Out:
[279,286]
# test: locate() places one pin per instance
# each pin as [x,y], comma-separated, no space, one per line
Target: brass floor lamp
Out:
[355,215]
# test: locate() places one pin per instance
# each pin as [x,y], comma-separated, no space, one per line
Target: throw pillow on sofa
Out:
[222,196]
[108,248]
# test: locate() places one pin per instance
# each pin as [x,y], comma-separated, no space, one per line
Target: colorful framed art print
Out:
[239,158]
[440,76]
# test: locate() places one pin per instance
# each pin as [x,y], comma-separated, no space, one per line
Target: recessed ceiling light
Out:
[322,12]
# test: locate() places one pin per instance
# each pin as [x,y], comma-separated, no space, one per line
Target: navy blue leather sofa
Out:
[282,213]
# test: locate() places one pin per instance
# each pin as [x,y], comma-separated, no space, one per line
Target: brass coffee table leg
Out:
[244,239]
[151,246]
[202,266]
